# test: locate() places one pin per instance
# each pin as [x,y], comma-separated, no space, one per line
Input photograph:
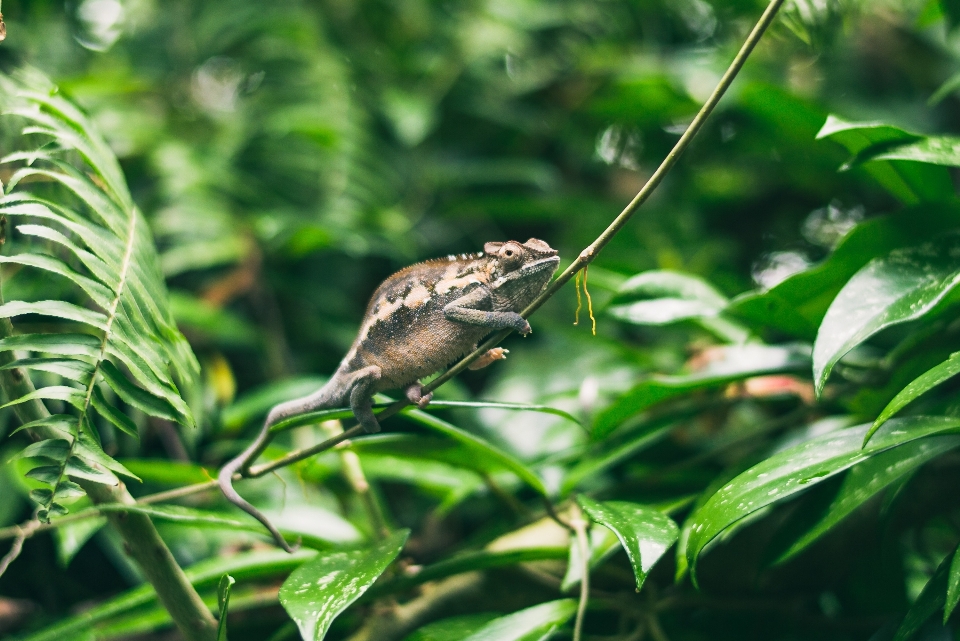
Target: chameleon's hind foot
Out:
[488,357]
[414,394]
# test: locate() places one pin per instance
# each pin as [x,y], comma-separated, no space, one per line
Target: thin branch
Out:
[15,549]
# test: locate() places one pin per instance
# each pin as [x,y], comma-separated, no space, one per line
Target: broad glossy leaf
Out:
[316,592]
[910,182]
[223,603]
[798,468]
[797,305]
[866,479]
[644,532]
[730,363]
[920,385]
[531,624]
[901,286]
[935,150]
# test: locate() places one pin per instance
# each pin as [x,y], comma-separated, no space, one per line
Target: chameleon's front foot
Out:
[414,394]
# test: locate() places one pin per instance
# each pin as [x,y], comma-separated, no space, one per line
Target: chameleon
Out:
[418,321]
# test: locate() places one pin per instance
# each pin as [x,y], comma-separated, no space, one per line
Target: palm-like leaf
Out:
[120,334]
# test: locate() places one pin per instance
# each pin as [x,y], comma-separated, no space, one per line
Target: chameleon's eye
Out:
[511,256]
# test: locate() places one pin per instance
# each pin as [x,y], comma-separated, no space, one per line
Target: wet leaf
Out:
[645,533]
[901,286]
[316,592]
[532,624]
[799,468]
[866,479]
[920,385]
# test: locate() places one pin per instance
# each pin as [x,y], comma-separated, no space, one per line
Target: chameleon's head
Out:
[520,270]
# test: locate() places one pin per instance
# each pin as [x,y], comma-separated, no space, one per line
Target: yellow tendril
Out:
[576,314]
[589,301]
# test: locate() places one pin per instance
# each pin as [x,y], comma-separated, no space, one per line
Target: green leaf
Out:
[935,150]
[953,586]
[797,305]
[910,182]
[48,474]
[732,363]
[316,592]
[899,287]
[223,602]
[452,629]
[73,370]
[135,396]
[645,533]
[920,385]
[468,562]
[531,624]
[479,448]
[120,420]
[931,599]
[56,309]
[667,297]
[866,479]
[70,395]
[62,344]
[799,468]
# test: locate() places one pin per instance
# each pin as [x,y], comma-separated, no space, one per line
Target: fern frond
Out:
[78,222]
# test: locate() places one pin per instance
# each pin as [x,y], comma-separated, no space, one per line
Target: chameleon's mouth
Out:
[536,266]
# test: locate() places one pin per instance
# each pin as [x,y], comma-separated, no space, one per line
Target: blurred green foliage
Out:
[290,155]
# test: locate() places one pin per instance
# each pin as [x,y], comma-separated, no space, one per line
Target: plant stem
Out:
[140,538]
[579,525]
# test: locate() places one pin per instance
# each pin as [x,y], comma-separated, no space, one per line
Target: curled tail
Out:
[321,399]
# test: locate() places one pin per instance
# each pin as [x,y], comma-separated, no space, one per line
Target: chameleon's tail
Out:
[225,481]
[322,398]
